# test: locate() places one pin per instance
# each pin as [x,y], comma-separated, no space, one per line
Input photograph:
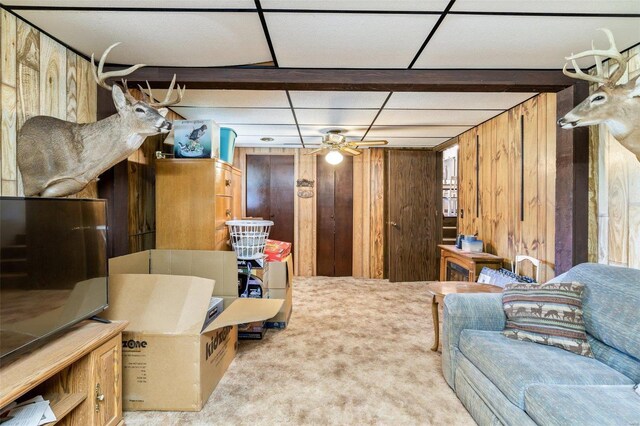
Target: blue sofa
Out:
[510,382]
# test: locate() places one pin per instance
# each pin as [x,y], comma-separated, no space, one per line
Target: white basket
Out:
[248,237]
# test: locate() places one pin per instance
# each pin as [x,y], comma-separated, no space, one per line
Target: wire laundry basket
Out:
[249,237]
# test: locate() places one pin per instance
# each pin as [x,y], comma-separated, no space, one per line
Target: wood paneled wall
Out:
[507,182]
[368,214]
[368,218]
[614,191]
[39,77]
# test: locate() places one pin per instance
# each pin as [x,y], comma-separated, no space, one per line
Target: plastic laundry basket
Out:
[249,237]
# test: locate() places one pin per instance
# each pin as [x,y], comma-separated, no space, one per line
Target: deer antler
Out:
[101,77]
[610,53]
[167,99]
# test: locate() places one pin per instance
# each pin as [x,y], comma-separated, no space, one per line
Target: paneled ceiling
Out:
[355,34]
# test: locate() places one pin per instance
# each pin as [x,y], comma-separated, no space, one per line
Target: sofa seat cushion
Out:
[582,405]
[513,365]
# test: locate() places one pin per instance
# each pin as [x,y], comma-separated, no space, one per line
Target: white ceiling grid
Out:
[356,34]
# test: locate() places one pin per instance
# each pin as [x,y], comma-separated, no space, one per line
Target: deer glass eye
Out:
[598,98]
[139,109]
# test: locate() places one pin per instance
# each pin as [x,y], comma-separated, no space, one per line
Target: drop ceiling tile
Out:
[329,40]
[225,116]
[415,142]
[465,41]
[385,132]
[403,5]
[164,4]
[314,99]
[339,117]
[188,39]
[434,117]
[349,131]
[549,6]
[231,98]
[456,100]
[263,130]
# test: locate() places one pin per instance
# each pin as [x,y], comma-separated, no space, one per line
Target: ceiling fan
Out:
[337,144]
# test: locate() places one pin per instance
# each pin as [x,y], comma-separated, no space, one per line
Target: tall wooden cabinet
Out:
[194,199]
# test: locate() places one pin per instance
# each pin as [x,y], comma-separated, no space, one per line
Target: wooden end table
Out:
[439,289]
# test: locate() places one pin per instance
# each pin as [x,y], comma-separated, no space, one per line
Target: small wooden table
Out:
[439,289]
[471,261]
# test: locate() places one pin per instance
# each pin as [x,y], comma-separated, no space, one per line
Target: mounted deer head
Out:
[616,106]
[59,158]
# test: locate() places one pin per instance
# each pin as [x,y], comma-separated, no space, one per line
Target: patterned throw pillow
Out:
[550,314]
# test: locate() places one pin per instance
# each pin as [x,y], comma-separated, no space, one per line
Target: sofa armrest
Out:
[474,311]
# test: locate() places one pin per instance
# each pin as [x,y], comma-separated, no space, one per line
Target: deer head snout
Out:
[567,123]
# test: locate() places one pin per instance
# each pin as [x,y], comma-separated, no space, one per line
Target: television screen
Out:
[53,267]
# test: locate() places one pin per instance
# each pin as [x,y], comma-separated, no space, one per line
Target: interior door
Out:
[413,215]
[270,192]
[334,254]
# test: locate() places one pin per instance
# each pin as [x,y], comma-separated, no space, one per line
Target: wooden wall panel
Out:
[368,218]
[8,41]
[39,76]
[86,95]
[8,135]
[377,228]
[614,191]
[72,86]
[514,216]
[53,81]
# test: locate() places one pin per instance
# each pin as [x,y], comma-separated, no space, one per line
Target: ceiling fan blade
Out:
[369,143]
[315,151]
[350,150]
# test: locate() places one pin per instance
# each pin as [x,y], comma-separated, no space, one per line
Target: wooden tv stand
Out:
[79,373]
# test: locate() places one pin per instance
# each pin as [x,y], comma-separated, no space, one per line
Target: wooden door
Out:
[413,211]
[334,252]
[270,192]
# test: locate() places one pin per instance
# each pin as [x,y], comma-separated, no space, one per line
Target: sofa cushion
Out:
[549,314]
[512,365]
[480,396]
[582,405]
[610,301]
[615,359]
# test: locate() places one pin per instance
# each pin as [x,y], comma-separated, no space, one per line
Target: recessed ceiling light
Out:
[266,139]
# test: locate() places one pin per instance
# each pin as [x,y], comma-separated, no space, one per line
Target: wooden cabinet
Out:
[458,265]
[194,199]
[106,379]
[80,373]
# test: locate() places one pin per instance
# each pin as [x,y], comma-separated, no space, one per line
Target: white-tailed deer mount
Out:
[59,158]
[616,106]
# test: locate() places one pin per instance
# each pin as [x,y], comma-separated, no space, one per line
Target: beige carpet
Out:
[355,352]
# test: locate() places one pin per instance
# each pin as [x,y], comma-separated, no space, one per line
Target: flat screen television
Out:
[53,268]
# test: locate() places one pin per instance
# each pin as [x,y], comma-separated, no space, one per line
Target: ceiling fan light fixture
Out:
[334,157]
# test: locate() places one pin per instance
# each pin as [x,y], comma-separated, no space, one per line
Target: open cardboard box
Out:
[170,362]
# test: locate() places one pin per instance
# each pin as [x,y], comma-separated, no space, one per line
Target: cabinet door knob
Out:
[229,212]
[227,182]
[99,397]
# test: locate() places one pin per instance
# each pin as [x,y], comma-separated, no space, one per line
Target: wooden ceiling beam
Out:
[396,80]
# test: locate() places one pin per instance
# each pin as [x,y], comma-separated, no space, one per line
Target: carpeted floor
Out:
[355,352]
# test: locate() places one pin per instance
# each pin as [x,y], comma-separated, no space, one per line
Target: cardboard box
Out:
[166,314]
[281,287]
[219,266]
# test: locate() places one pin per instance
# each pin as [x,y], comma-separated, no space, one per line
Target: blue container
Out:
[227,143]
